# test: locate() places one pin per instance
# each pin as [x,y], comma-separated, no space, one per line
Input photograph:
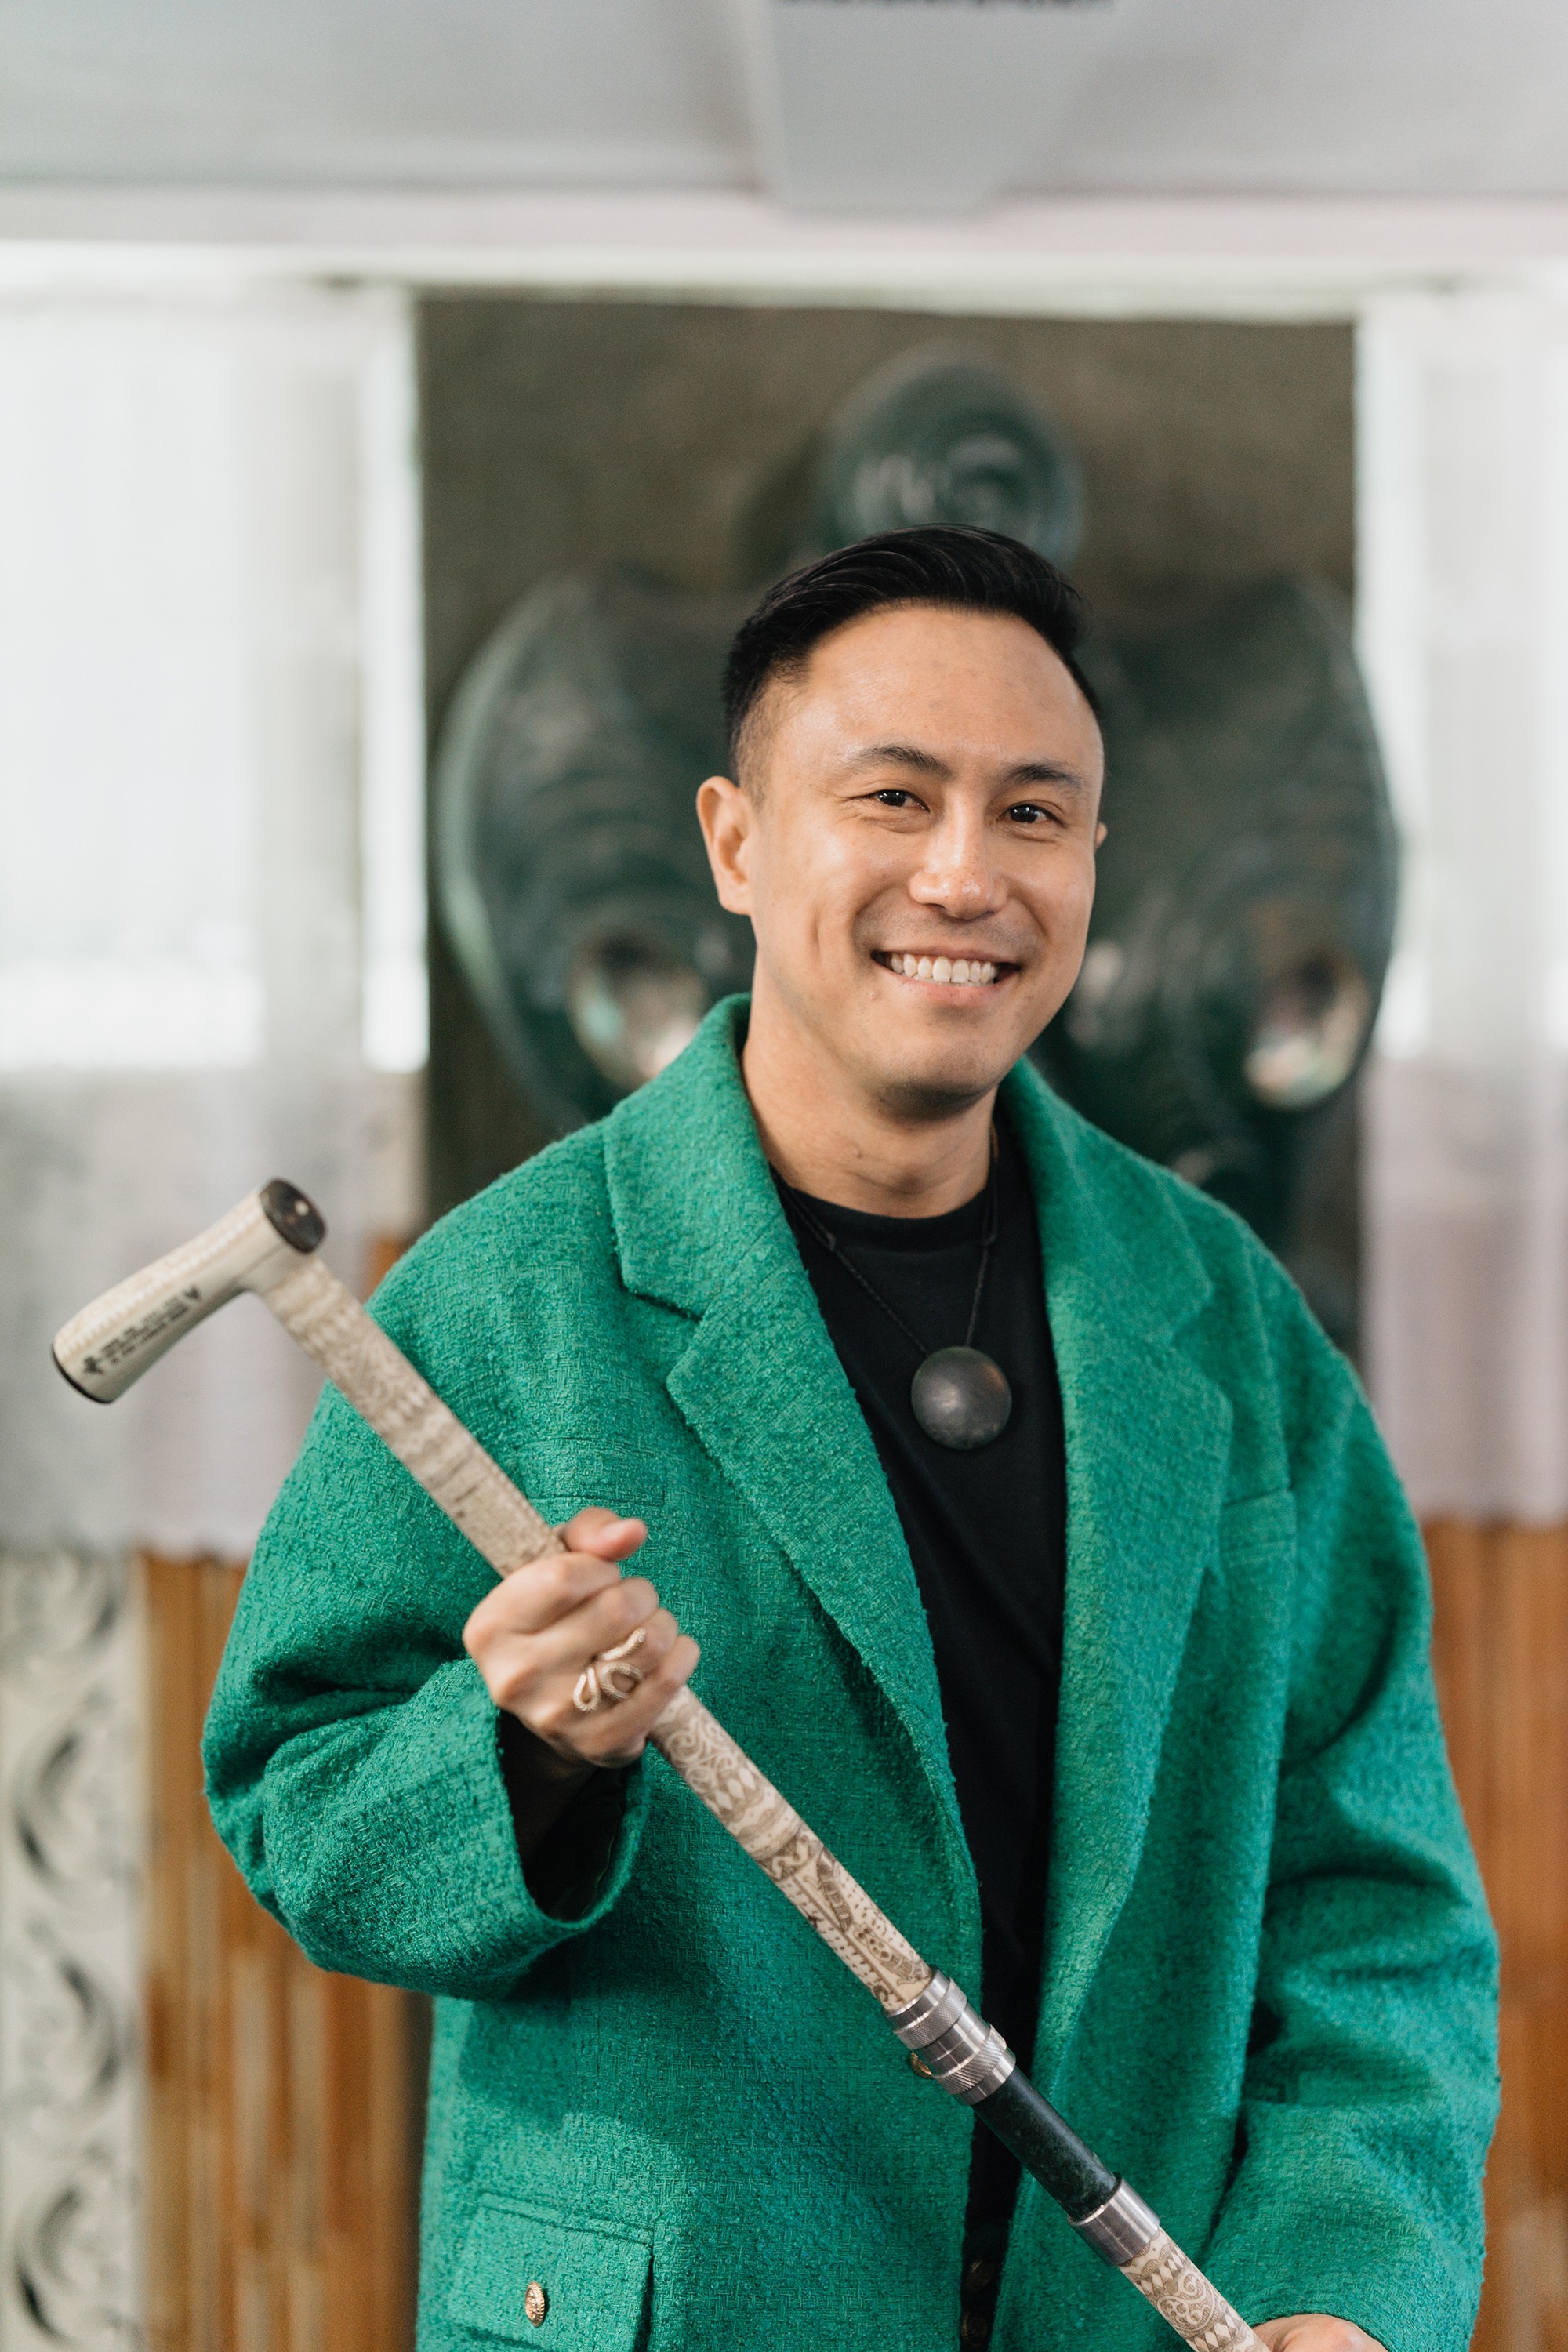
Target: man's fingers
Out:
[602,1533]
[615,1731]
[1315,2331]
[533,1597]
[539,1673]
[592,1613]
[608,1617]
[535,1635]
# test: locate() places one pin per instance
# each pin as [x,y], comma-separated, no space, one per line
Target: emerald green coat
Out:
[1268,1993]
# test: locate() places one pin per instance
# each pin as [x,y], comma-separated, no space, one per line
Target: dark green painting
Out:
[1247,885]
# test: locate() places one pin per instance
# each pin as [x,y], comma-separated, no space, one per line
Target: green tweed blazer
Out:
[1268,1993]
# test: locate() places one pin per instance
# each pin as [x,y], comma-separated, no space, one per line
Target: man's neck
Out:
[828,1139]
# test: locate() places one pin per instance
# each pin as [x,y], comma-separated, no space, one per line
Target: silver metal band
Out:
[952,2041]
[933,2009]
[1120,2228]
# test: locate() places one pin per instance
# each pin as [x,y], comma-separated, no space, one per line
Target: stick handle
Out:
[121,1334]
[930,2014]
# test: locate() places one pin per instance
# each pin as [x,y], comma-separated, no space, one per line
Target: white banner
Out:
[210,894]
[1463,408]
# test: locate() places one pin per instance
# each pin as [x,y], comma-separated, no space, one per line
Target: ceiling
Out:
[902,106]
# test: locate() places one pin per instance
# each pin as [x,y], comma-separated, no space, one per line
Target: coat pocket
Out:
[531,2275]
[568,1474]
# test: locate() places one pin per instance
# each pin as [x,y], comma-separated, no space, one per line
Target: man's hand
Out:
[533,1635]
[1314,2331]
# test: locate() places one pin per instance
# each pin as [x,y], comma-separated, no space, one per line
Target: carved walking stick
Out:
[267,1245]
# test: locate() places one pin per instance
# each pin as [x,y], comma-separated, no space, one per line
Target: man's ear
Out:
[1098,834]
[727,818]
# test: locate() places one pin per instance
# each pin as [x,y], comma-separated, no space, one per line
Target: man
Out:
[1097,1651]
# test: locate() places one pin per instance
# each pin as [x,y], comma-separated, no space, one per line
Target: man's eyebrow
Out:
[1046,771]
[928,764]
[901,755]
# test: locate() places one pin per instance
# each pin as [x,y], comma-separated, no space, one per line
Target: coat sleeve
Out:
[353,1768]
[1371,2087]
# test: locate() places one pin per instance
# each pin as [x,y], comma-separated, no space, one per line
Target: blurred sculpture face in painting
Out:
[912,834]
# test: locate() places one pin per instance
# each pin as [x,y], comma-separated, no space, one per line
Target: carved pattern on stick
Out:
[1180,2293]
[747,1805]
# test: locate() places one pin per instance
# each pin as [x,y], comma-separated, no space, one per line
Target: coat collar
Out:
[699,1227]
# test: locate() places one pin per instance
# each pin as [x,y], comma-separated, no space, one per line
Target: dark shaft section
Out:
[1047,2147]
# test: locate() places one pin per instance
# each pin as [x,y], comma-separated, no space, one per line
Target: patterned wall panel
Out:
[71,1836]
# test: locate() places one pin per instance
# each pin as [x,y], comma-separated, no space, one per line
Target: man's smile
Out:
[942,970]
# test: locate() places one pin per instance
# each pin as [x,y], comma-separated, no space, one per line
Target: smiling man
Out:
[1040,1547]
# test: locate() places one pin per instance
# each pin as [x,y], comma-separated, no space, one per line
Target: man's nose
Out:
[958,872]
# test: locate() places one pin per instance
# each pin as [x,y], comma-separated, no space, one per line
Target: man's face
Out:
[915,848]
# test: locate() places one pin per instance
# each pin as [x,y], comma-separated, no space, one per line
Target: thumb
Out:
[603,1534]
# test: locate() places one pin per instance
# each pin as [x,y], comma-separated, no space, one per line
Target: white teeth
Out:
[946,971]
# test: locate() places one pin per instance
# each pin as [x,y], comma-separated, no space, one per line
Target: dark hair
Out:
[951,565]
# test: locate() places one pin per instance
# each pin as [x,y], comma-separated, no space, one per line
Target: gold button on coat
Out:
[535,2303]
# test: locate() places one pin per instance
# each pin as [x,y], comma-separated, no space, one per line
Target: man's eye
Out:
[1027,813]
[892,796]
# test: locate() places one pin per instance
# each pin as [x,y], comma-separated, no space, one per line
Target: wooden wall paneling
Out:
[283,2103]
[1500,1652]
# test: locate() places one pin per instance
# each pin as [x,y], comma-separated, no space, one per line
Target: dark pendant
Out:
[960,1397]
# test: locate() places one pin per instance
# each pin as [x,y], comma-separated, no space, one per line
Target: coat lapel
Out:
[1147,1448]
[698,1226]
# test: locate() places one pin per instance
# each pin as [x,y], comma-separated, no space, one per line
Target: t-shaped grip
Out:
[113,1342]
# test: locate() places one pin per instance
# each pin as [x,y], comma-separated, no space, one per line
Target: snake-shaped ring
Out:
[611,1675]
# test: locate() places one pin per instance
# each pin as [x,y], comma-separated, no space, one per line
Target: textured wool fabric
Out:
[1268,1994]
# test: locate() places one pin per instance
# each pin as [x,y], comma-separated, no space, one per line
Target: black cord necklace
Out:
[960,1396]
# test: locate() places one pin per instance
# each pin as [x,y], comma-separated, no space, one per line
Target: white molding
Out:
[282,161]
[1240,257]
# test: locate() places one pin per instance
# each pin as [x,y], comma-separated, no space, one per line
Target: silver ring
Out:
[611,1675]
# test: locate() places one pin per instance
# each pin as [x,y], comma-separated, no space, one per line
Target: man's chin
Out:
[926,1079]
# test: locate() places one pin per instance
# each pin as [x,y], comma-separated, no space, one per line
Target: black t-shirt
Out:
[987,1534]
